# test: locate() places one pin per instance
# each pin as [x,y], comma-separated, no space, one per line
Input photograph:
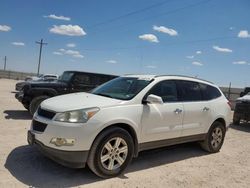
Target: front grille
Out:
[38,126]
[45,113]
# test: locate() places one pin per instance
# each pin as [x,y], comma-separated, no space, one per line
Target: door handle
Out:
[177,111]
[205,109]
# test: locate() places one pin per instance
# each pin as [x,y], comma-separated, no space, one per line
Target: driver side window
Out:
[166,90]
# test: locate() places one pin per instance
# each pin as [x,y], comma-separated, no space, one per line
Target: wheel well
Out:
[221,120]
[130,130]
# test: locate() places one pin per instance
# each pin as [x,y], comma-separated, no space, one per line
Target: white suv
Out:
[109,126]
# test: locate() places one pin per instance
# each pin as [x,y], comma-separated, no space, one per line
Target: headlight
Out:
[76,116]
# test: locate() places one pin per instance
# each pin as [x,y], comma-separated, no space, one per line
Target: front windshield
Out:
[66,76]
[124,88]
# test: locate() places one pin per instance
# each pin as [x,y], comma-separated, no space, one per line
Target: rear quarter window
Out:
[209,92]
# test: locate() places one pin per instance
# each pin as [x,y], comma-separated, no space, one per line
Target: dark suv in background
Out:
[33,93]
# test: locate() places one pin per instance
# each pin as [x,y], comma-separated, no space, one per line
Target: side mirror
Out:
[154,99]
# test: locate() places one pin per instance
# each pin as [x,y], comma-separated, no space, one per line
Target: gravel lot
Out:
[184,165]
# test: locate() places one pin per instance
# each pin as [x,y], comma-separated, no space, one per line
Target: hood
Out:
[244,98]
[77,101]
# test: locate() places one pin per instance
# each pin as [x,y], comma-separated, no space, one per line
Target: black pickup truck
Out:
[242,107]
[33,93]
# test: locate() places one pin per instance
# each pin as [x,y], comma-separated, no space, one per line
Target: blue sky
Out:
[205,38]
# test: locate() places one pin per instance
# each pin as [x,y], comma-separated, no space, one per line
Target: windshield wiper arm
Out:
[104,95]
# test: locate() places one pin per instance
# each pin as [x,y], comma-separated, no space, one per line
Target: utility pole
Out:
[41,43]
[229,91]
[5,60]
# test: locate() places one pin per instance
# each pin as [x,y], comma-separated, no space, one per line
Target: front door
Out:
[162,121]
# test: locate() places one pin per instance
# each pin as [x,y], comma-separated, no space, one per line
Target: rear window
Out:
[209,92]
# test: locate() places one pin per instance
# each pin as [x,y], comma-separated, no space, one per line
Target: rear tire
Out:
[34,104]
[214,138]
[103,159]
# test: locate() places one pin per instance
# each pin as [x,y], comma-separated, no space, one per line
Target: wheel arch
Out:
[126,127]
[222,121]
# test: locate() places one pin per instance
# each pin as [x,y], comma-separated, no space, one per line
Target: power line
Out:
[129,14]
[166,44]
[41,43]
[156,16]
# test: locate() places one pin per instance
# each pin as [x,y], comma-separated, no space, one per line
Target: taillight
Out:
[230,104]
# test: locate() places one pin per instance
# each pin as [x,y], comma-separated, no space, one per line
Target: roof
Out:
[174,76]
[91,73]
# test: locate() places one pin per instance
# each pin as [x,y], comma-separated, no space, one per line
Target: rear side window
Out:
[209,92]
[190,91]
[166,90]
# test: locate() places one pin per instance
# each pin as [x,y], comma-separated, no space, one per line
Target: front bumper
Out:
[72,159]
[19,96]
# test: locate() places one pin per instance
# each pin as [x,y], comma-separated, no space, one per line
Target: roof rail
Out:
[186,77]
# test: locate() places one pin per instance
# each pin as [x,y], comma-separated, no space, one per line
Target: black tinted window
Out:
[209,92]
[166,90]
[190,91]
[81,79]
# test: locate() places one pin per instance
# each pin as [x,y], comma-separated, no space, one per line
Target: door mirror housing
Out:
[154,99]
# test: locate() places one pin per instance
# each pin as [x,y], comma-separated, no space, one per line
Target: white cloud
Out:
[190,56]
[219,49]
[198,52]
[71,45]
[18,43]
[78,56]
[149,37]
[243,34]
[166,30]
[69,30]
[240,63]
[62,50]
[5,28]
[112,61]
[57,53]
[53,16]
[73,53]
[197,63]
[231,28]
[151,67]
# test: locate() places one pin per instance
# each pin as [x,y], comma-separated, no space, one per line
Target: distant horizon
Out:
[224,86]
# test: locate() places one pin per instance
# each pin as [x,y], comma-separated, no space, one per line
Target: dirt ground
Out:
[184,165]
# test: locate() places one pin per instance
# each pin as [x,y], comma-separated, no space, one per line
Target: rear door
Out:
[162,121]
[196,110]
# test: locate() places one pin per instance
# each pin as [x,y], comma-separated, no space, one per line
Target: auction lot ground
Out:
[184,165]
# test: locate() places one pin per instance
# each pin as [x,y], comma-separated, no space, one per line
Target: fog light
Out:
[62,141]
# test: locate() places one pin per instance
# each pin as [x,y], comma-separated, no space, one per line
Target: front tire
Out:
[236,120]
[34,104]
[214,138]
[111,152]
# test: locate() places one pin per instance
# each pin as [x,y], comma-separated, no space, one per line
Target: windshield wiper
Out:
[104,95]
